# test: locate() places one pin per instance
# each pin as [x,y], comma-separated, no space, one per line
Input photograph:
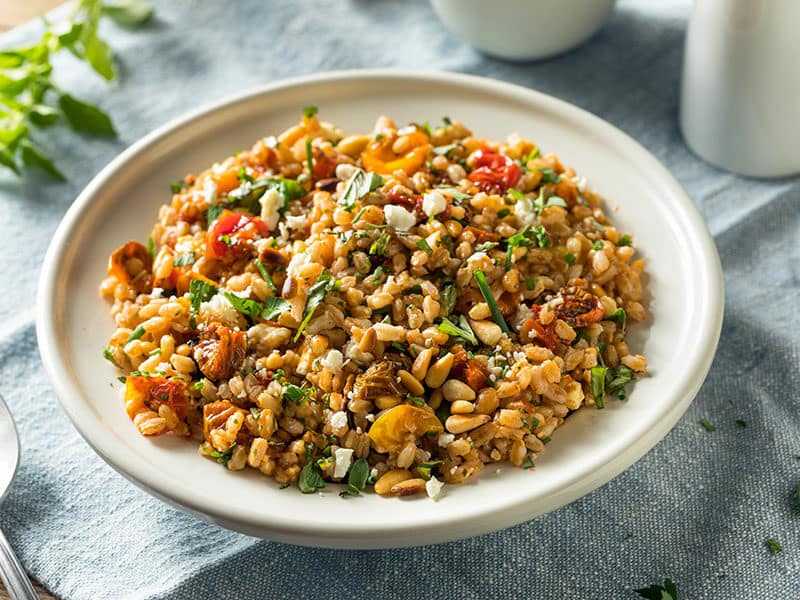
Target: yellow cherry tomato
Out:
[391,429]
[380,158]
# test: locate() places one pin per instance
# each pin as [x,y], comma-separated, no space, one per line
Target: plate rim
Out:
[104,443]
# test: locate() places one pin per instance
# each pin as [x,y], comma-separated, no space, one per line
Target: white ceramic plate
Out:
[594,446]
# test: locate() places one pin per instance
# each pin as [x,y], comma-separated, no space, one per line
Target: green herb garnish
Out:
[136,333]
[423,244]
[266,276]
[297,393]
[625,240]
[357,478]
[249,308]
[462,330]
[548,175]
[199,291]
[378,247]
[224,457]
[151,247]
[447,299]
[598,385]
[774,546]
[213,212]
[425,468]
[706,424]
[249,192]
[618,316]
[325,284]
[486,291]
[569,258]
[110,357]
[176,187]
[359,185]
[527,463]
[183,260]
[444,150]
[310,477]
[273,307]
[310,111]
[668,591]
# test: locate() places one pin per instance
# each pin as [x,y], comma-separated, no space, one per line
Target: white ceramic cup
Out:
[523,29]
[740,97]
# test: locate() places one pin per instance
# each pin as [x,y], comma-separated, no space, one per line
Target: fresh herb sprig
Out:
[30,99]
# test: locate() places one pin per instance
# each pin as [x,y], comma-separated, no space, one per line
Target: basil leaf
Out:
[273,307]
[462,330]
[85,117]
[598,385]
[359,185]
[324,285]
[357,478]
[98,55]
[310,478]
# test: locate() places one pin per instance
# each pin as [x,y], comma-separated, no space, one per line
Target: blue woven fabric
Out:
[698,508]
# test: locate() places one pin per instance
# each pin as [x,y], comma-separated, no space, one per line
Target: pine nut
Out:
[353,145]
[439,371]
[462,423]
[420,367]
[412,383]
[487,402]
[387,401]
[409,487]
[389,479]
[462,407]
[454,389]
[507,389]
[368,340]
[389,333]
[480,311]
[488,332]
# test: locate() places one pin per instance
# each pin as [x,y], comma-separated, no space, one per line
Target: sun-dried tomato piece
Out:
[220,352]
[216,414]
[578,307]
[152,392]
[533,330]
[469,370]
[324,165]
[232,235]
[494,173]
[481,235]
[125,257]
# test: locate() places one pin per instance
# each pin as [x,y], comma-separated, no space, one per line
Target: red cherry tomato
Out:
[232,235]
[494,173]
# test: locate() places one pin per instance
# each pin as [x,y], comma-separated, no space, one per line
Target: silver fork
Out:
[11,571]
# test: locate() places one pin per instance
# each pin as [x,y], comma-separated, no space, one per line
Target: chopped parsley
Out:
[183,260]
[425,468]
[462,330]
[224,457]
[774,546]
[618,316]
[444,150]
[706,424]
[503,212]
[617,380]
[376,277]
[447,299]
[415,400]
[310,111]
[309,157]
[176,187]
[668,591]
[110,357]
[151,247]
[426,127]
[356,478]
[625,240]
[569,258]
[486,246]
[249,192]
[423,244]
[378,247]
[598,246]
[122,379]
[198,385]
[486,291]
[213,212]
[531,283]
[297,393]
[199,291]
[136,333]
[273,307]
[325,284]
[548,175]
[527,463]
[599,226]
[249,308]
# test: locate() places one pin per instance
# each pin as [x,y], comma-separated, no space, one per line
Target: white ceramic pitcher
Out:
[740,97]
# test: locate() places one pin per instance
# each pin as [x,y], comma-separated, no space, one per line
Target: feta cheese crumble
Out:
[221,308]
[271,202]
[433,203]
[333,360]
[434,488]
[342,458]
[445,439]
[399,218]
[526,215]
[338,420]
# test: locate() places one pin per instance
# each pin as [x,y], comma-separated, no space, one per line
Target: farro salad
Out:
[393,310]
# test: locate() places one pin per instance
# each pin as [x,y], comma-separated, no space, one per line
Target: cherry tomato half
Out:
[494,173]
[232,235]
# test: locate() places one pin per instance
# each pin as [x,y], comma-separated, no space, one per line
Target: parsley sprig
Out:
[30,99]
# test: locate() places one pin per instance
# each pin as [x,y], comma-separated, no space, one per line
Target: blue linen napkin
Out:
[698,508]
